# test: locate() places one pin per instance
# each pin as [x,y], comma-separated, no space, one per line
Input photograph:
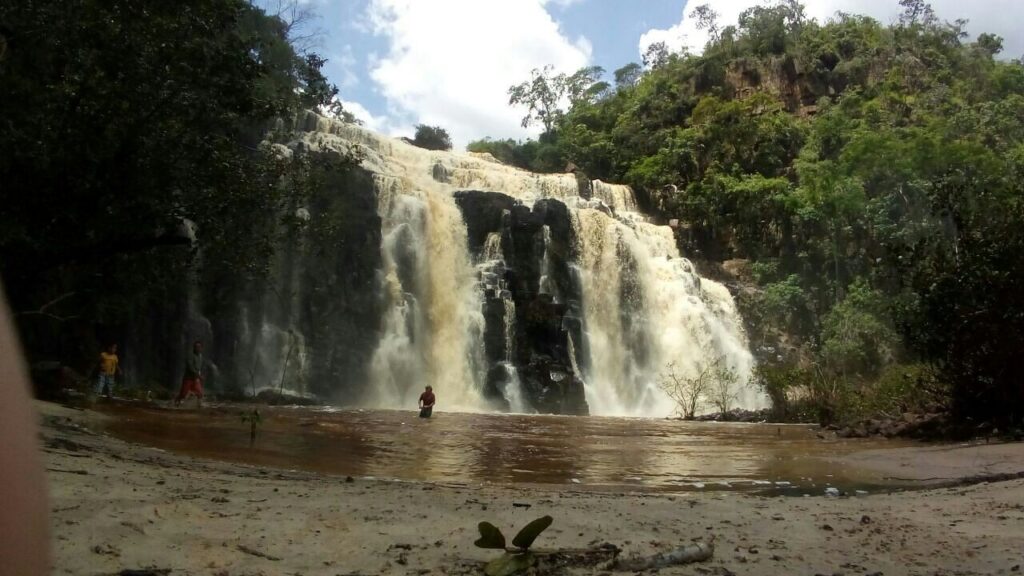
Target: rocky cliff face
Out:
[798,84]
[531,269]
[311,327]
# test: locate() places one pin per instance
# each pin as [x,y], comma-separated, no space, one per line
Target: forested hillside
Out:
[860,184]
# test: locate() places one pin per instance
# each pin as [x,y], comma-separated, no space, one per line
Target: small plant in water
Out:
[516,560]
[253,419]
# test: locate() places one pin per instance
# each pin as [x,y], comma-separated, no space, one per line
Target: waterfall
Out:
[572,354]
[644,308]
[619,198]
[513,392]
[642,304]
[510,328]
[492,248]
[491,268]
[546,286]
[432,321]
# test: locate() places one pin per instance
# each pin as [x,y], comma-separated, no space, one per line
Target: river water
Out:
[593,453]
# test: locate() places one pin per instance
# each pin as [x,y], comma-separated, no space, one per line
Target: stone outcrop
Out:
[311,327]
[545,318]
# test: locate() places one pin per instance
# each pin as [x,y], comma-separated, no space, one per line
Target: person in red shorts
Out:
[192,383]
[427,402]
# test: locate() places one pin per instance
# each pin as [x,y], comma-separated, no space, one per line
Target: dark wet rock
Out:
[544,319]
[553,388]
[319,300]
[274,397]
[498,377]
[440,172]
[737,415]
[483,213]
[585,184]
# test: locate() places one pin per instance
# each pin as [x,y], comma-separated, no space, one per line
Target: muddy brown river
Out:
[595,453]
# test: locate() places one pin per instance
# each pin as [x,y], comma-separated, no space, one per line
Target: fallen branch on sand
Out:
[576,557]
[257,553]
[79,472]
[698,552]
[68,454]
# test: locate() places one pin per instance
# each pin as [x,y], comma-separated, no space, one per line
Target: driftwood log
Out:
[697,552]
[578,557]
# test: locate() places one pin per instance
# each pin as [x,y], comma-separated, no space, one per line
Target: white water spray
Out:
[644,308]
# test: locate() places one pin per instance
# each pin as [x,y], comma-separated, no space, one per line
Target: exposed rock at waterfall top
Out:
[483,212]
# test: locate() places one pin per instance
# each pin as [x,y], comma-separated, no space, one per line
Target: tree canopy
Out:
[870,175]
[432,138]
[130,135]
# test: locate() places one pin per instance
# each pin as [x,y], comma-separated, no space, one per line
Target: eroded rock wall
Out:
[535,273]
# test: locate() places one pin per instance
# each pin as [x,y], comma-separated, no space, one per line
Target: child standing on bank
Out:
[109,369]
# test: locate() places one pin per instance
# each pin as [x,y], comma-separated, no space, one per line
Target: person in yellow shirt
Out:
[109,368]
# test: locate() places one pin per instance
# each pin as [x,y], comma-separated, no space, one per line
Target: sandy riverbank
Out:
[117,506]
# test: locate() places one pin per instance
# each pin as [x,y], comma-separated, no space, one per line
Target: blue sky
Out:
[450,62]
[356,43]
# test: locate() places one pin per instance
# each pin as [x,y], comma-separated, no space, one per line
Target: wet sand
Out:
[118,506]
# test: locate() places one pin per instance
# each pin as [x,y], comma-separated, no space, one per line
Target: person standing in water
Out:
[427,402]
[192,383]
[109,368]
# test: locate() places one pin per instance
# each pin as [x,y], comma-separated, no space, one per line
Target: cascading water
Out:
[617,197]
[517,402]
[546,286]
[642,305]
[647,312]
[491,266]
[432,320]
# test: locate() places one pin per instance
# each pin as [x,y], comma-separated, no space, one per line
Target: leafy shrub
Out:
[432,138]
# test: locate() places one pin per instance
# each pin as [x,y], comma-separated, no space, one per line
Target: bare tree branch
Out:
[42,311]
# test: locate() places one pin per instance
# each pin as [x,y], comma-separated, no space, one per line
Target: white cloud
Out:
[450,62]
[1002,17]
[375,123]
[565,3]
[347,63]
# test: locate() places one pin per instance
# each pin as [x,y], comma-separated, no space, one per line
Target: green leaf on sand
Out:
[490,537]
[530,532]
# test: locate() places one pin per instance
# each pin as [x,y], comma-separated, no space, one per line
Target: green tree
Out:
[545,92]
[130,144]
[707,19]
[432,138]
[628,76]
[857,337]
[991,44]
